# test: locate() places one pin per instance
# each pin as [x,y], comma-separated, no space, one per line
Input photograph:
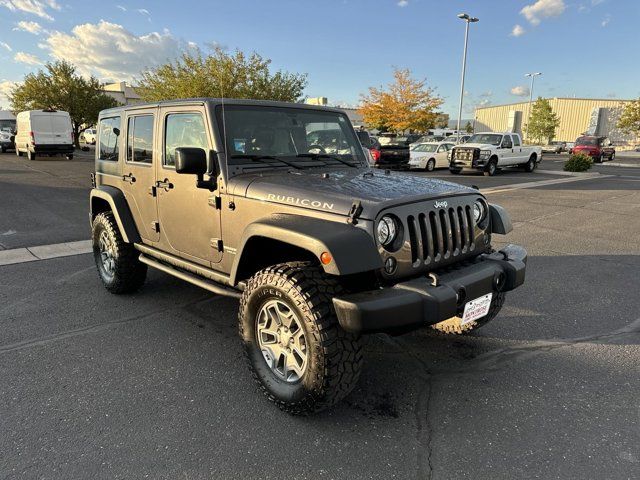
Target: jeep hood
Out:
[335,190]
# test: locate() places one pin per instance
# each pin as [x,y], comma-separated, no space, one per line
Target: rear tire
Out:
[118,265]
[612,157]
[297,352]
[453,325]
[530,166]
[3,149]
[31,155]
[455,171]
[69,156]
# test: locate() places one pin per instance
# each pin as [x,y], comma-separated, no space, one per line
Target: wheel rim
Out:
[430,165]
[107,259]
[492,168]
[282,341]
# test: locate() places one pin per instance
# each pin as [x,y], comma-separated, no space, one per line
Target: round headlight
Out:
[386,230]
[479,211]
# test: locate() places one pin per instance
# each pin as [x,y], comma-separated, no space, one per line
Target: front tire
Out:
[117,261]
[31,155]
[431,165]
[492,167]
[453,325]
[300,356]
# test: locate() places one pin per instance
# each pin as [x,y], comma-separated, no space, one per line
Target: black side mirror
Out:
[116,131]
[194,161]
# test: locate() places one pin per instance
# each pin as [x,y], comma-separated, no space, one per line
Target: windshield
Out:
[488,138]
[8,125]
[590,141]
[426,147]
[290,134]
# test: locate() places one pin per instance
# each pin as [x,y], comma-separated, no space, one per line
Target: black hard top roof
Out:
[219,101]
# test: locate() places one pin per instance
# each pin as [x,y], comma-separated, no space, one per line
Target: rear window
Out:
[109,134]
[589,141]
[392,140]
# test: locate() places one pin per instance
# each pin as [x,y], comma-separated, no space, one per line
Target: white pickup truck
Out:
[486,152]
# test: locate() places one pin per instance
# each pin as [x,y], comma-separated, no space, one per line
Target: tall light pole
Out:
[533,77]
[467,18]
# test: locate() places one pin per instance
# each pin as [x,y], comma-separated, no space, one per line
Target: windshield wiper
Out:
[317,156]
[265,159]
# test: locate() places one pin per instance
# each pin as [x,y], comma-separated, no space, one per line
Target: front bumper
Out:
[420,302]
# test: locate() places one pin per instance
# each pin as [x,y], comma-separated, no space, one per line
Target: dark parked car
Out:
[370,143]
[394,151]
[598,148]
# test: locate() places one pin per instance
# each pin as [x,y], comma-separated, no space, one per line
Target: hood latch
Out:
[354,212]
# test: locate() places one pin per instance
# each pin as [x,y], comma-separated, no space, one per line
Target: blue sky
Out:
[585,48]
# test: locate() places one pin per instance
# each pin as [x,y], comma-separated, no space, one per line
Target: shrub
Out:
[578,162]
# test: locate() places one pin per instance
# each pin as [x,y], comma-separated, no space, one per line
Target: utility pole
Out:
[468,19]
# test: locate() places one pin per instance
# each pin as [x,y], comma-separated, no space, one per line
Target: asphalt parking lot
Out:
[153,385]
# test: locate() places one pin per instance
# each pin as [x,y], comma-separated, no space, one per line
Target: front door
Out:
[189,220]
[138,172]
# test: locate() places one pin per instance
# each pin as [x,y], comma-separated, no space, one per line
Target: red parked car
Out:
[598,148]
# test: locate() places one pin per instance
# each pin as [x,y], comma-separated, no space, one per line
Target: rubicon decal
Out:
[304,202]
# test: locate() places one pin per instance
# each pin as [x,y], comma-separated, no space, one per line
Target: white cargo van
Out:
[44,132]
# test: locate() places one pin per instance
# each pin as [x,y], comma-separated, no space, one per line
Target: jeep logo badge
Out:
[441,204]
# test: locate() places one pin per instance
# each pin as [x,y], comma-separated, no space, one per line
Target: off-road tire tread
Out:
[342,350]
[130,271]
[452,325]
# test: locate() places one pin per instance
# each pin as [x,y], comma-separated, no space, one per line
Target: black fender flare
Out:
[120,209]
[352,249]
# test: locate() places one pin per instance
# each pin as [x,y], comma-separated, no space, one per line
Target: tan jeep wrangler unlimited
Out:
[275,204]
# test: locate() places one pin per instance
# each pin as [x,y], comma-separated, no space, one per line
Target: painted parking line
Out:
[44,252]
[542,183]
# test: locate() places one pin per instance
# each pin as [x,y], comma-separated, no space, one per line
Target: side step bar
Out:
[191,278]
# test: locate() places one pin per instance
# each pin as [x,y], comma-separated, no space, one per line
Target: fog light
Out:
[390,265]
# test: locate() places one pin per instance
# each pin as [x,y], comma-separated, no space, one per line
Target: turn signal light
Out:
[325,258]
[375,154]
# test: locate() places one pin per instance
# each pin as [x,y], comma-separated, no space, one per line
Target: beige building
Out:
[578,116]
[123,93]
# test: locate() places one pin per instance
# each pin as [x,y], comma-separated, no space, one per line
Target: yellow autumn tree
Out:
[406,104]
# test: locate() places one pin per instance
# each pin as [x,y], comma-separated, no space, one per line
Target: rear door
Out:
[138,171]
[441,155]
[42,128]
[519,153]
[61,129]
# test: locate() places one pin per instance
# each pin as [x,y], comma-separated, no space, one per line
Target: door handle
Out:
[129,178]
[165,184]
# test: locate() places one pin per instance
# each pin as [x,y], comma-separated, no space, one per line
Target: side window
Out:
[442,148]
[183,130]
[109,132]
[516,140]
[140,139]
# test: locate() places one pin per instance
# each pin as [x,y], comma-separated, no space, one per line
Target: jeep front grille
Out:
[440,235]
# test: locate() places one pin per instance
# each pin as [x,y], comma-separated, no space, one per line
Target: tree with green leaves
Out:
[60,87]
[630,119]
[468,127]
[543,122]
[406,104]
[220,74]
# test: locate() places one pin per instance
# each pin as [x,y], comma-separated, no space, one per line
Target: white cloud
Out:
[5,89]
[520,91]
[403,3]
[143,11]
[517,31]
[35,7]
[606,20]
[542,9]
[6,46]
[31,27]
[121,8]
[27,58]
[597,2]
[110,52]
